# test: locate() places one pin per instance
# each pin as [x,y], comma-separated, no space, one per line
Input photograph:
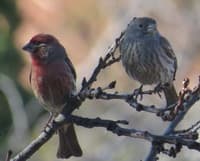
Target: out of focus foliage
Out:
[10,62]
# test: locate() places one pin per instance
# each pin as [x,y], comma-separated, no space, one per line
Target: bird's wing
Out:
[169,51]
[68,61]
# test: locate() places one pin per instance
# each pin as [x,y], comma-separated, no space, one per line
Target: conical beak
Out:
[29,47]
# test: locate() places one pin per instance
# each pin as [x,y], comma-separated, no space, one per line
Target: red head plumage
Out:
[45,48]
[43,38]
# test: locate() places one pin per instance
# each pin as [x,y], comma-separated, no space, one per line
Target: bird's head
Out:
[45,48]
[143,26]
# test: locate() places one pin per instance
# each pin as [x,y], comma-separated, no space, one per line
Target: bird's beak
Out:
[29,47]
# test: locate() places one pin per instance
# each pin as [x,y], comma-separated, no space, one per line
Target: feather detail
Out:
[52,84]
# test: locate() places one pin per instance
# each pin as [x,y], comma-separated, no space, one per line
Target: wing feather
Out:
[69,63]
[169,51]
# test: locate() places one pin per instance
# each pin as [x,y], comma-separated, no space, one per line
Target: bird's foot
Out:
[159,88]
[138,93]
[50,119]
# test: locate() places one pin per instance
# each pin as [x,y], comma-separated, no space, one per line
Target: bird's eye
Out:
[140,25]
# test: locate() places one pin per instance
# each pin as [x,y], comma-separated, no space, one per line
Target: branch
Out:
[113,126]
[110,125]
[36,144]
[108,60]
[189,99]
[194,128]
[130,99]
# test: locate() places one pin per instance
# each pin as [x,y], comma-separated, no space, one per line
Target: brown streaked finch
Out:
[148,57]
[52,79]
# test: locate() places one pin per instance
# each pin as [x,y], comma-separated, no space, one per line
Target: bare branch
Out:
[194,128]
[188,101]
[110,125]
[108,60]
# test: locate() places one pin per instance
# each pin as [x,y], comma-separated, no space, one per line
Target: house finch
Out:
[53,81]
[148,57]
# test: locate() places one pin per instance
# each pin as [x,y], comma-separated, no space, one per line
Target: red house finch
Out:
[53,81]
[148,57]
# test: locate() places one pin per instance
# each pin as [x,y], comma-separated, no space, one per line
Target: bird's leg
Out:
[159,88]
[49,120]
[138,92]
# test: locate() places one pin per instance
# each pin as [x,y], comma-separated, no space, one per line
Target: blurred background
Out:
[87,28]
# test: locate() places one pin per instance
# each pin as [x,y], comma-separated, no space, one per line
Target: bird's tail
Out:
[68,142]
[170,94]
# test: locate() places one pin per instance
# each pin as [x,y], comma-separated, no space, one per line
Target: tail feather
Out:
[170,94]
[68,142]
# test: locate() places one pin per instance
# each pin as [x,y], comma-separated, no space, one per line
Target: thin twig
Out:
[193,128]
[108,60]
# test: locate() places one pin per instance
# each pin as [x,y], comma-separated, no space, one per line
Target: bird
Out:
[52,79]
[148,57]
